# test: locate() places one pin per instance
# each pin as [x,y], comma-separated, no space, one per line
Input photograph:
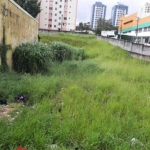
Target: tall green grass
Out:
[31,58]
[100,103]
[37,57]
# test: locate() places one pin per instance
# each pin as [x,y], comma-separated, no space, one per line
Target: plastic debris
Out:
[22,98]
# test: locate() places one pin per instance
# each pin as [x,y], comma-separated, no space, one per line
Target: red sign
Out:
[20,148]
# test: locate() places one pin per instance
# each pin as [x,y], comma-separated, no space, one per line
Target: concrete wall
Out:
[137,50]
[19,25]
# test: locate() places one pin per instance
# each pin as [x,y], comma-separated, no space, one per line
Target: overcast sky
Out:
[84,7]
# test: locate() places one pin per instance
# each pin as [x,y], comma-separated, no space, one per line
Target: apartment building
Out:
[98,12]
[118,11]
[58,15]
[145,8]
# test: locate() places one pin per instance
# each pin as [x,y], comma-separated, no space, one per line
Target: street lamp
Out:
[137,19]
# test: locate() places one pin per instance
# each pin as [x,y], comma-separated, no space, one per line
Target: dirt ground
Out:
[5,111]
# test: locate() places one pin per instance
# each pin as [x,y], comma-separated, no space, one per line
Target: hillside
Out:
[99,103]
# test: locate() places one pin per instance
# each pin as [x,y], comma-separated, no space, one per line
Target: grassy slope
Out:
[99,103]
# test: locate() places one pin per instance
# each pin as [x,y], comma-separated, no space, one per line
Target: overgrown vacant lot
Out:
[100,103]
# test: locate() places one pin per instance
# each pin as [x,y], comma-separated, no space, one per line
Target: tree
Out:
[98,31]
[87,26]
[31,6]
[81,27]
[104,25]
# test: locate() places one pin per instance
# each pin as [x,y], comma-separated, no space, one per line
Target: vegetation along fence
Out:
[137,50]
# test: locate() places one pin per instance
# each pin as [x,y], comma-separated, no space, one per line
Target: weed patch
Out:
[31,58]
[101,102]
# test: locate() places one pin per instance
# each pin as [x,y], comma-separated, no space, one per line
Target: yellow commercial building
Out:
[135,27]
[17,26]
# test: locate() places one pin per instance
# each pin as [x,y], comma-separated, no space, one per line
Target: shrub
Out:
[35,58]
[62,51]
[31,58]
[78,54]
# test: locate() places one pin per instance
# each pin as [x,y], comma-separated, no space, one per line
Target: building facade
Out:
[135,27]
[58,15]
[98,12]
[118,11]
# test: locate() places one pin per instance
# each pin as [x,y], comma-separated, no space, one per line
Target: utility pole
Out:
[120,28]
[137,19]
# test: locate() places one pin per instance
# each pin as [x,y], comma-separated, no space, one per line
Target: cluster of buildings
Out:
[134,27]
[60,15]
[99,11]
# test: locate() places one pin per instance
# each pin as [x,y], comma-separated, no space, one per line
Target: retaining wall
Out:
[20,27]
[137,50]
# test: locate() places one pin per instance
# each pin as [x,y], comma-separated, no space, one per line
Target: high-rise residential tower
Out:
[58,15]
[98,12]
[118,11]
[145,8]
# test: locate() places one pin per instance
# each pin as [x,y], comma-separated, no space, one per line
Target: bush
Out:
[62,51]
[78,54]
[31,58]
[35,58]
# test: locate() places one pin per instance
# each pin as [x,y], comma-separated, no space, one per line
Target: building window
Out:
[60,6]
[55,8]
[65,18]
[56,3]
[50,25]
[140,30]
[60,0]
[145,29]
[50,8]
[55,14]
[50,19]
[54,26]
[60,12]
[55,20]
